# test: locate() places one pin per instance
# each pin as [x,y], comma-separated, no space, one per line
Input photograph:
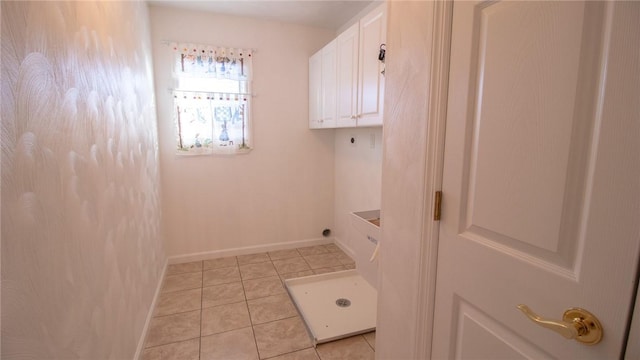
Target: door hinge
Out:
[437,206]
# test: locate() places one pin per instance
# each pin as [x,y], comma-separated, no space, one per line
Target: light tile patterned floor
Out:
[237,308]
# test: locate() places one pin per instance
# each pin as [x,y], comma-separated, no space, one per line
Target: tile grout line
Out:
[298,315]
[231,303]
[246,302]
[309,265]
[201,300]
[367,341]
[272,321]
[169,343]
[287,353]
[176,313]
[175,291]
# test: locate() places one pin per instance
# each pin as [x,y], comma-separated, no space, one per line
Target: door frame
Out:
[436,125]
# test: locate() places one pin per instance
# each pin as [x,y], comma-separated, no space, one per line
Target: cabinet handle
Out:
[354,116]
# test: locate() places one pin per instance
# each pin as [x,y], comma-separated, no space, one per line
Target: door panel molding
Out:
[555,242]
[594,189]
[499,342]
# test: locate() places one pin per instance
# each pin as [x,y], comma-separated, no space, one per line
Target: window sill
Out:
[210,152]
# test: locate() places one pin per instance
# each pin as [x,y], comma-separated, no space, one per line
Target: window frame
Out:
[193,67]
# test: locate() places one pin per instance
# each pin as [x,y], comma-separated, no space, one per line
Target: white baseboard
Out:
[152,308]
[176,259]
[344,247]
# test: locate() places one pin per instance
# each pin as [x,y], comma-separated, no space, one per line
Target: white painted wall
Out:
[82,252]
[282,191]
[358,176]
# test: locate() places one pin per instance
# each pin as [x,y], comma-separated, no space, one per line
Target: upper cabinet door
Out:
[346,84]
[347,71]
[328,109]
[373,31]
[315,90]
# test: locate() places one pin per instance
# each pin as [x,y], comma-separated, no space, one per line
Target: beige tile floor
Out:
[237,308]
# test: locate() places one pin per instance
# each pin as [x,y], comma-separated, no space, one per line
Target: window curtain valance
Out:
[197,95]
[212,61]
[212,99]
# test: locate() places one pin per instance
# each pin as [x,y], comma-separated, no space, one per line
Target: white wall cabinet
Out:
[329,54]
[322,88]
[347,67]
[315,90]
[358,80]
[373,30]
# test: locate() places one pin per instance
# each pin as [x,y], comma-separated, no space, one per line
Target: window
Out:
[212,99]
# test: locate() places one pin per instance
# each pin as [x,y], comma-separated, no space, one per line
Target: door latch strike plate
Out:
[437,207]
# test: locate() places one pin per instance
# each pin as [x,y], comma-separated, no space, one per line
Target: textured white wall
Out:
[82,252]
[281,191]
[409,34]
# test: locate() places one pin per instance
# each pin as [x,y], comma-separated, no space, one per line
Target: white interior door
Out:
[541,182]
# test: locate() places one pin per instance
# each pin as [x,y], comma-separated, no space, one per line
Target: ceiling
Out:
[330,14]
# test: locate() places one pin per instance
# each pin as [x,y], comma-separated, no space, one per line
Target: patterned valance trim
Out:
[196,60]
[193,95]
[216,53]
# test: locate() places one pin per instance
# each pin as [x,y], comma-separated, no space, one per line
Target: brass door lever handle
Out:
[578,324]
